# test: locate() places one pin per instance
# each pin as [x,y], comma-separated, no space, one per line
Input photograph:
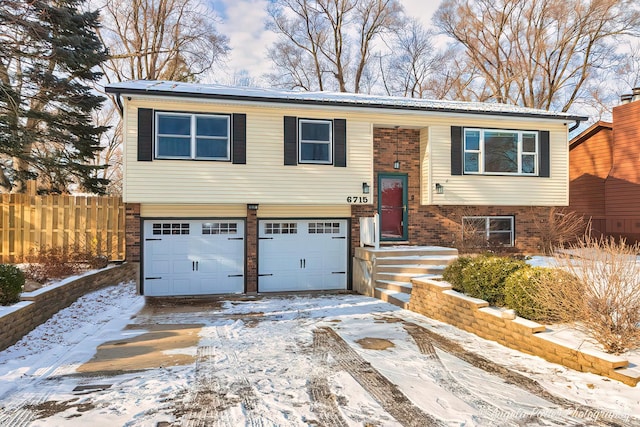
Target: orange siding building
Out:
[605,172]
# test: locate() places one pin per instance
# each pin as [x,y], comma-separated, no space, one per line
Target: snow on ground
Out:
[258,362]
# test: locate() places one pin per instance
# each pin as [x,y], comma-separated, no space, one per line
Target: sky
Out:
[243,21]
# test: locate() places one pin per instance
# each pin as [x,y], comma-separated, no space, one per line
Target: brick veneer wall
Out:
[437,225]
[436,299]
[132,232]
[38,306]
[251,266]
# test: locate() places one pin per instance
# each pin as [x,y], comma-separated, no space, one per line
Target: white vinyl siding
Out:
[498,190]
[265,180]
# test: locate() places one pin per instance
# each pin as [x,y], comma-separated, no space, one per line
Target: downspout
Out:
[574,127]
[116,95]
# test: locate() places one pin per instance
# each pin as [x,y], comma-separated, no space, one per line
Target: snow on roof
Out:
[216,91]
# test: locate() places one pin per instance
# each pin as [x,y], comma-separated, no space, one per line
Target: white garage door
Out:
[193,257]
[297,255]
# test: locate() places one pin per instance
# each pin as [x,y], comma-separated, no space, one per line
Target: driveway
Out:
[306,360]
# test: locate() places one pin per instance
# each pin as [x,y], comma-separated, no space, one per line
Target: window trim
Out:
[481,152]
[193,136]
[488,231]
[330,142]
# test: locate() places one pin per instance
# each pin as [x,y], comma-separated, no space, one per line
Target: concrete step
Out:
[411,268]
[416,260]
[399,299]
[391,285]
[395,251]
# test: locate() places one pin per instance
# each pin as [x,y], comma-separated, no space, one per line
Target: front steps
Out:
[394,267]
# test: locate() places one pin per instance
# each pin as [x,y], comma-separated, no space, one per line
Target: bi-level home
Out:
[233,190]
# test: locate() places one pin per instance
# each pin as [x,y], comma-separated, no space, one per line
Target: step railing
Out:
[370,231]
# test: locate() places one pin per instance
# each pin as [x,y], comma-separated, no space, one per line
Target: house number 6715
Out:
[357,199]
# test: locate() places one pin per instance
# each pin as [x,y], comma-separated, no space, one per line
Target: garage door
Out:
[193,257]
[297,255]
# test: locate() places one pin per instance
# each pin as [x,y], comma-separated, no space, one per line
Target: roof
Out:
[248,94]
[589,132]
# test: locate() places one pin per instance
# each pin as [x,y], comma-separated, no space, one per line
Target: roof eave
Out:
[132,91]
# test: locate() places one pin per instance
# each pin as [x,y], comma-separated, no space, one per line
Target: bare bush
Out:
[560,228]
[49,263]
[606,295]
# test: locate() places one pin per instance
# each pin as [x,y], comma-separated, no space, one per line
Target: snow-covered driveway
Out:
[324,360]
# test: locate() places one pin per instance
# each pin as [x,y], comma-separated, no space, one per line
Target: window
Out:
[496,230]
[164,229]
[192,136]
[316,141]
[324,228]
[281,228]
[500,152]
[219,228]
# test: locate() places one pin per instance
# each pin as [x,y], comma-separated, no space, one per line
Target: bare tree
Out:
[537,53]
[328,44]
[160,39]
[152,40]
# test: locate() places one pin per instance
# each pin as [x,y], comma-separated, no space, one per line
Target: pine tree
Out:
[48,53]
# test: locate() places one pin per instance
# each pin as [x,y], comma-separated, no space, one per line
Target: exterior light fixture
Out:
[252,206]
[365,188]
[396,164]
[439,188]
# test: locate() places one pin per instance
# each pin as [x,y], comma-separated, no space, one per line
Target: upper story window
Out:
[192,136]
[315,141]
[500,152]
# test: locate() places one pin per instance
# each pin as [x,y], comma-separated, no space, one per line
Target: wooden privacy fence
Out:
[29,223]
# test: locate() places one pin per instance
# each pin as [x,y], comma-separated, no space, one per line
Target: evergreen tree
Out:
[48,53]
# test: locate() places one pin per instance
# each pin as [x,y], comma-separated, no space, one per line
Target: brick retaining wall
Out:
[436,299]
[38,306]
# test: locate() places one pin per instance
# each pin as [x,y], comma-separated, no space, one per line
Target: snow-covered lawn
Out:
[292,361]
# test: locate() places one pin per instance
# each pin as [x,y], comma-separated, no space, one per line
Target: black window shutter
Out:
[340,143]
[290,140]
[239,143]
[545,161]
[456,150]
[145,134]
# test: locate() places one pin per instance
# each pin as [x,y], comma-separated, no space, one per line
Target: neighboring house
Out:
[605,172]
[253,190]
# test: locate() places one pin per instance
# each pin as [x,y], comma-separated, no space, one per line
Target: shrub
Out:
[484,276]
[608,304]
[534,294]
[454,272]
[11,283]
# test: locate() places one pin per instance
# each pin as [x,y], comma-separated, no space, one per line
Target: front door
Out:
[392,206]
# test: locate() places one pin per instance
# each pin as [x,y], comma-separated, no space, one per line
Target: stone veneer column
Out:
[132,232]
[251,265]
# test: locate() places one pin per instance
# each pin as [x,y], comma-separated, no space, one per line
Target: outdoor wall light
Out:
[439,188]
[365,188]
[252,206]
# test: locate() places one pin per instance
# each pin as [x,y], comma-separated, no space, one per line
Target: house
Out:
[252,190]
[605,173]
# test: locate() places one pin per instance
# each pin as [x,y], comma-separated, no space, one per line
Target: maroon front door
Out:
[392,195]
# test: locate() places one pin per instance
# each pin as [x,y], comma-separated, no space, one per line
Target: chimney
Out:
[636,94]
[625,99]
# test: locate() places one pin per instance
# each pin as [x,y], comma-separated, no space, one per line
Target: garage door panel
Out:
[194,257]
[297,255]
